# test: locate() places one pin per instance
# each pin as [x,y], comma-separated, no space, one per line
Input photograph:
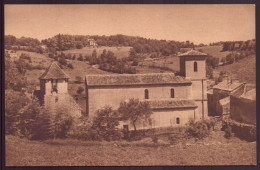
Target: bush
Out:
[80,90]
[105,124]
[70,66]
[228,132]
[197,129]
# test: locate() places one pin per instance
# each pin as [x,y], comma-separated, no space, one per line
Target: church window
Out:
[54,85]
[146,94]
[195,66]
[172,93]
[177,120]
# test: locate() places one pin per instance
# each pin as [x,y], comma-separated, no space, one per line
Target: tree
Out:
[80,57]
[80,90]
[135,111]
[105,123]
[70,66]
[230,58]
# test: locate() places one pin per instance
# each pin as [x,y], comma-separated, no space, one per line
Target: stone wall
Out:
[243,110]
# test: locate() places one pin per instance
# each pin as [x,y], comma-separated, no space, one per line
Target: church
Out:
[174,99]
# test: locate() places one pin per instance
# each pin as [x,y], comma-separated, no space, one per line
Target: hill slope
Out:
[244,69]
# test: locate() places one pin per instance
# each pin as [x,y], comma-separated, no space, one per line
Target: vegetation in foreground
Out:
[213,150]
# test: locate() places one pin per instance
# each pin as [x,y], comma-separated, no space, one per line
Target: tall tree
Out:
[135,111]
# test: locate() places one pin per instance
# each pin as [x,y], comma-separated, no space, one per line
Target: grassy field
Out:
[215,51]
[214,150]
[120,52]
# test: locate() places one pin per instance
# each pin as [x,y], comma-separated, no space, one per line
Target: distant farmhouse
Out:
[13,55]
[54,91]
[92,42]
[174,98]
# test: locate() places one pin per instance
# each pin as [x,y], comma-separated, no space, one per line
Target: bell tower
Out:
[193,67]
[193,64]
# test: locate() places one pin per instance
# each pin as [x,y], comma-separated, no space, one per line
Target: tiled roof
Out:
[228,86]
[193,53]
[251,95]
[224,101]
[54,72]
[135,79]
[171,103]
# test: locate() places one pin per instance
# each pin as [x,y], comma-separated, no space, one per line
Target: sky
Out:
[196,23]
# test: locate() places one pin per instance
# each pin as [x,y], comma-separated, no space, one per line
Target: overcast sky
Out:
[197,23]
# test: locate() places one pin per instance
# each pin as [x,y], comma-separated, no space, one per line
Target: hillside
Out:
[120,52]
[215,51]
[244,69]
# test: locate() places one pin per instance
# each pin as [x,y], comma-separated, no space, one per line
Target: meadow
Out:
[120,52]
[213,150]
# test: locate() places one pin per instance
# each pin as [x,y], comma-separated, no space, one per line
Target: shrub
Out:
[70,66]
[105,124]
[197,129]
[80,90]
[228,132]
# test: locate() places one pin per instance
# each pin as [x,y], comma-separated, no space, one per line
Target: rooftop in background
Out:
[135,79]
[54,72]
[192,53]
[228,86]
[251,95]
[171,103]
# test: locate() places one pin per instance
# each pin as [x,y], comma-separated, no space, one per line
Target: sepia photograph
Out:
[130,85]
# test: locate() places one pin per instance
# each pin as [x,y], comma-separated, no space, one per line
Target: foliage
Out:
[14,75]
[70,66]
[80,57]
[209,72]
[135,111]
[105,124]
[228,132]
[198,129]
[80,90]
[78,79]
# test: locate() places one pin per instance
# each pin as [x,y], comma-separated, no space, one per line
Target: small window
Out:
[177,120]
[195,66]
[172,93]
[146,94]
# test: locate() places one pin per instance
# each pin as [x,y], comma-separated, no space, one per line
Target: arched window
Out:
[172,93]
[195,66]
[146,94]
[177,120]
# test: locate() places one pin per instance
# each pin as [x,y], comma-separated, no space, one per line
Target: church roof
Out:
[193,53]
[54,72]
[135,79]
[171,103]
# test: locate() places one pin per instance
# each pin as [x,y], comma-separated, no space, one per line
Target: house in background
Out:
[219,96]
[173,99]
[54,91]
[14,56]
[92,42]
[243,107]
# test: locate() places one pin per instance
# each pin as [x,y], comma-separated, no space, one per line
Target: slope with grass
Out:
[244,70]
[120,52]
[214,150]
[215,51]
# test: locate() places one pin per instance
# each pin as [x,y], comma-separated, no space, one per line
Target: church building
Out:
[174,99]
